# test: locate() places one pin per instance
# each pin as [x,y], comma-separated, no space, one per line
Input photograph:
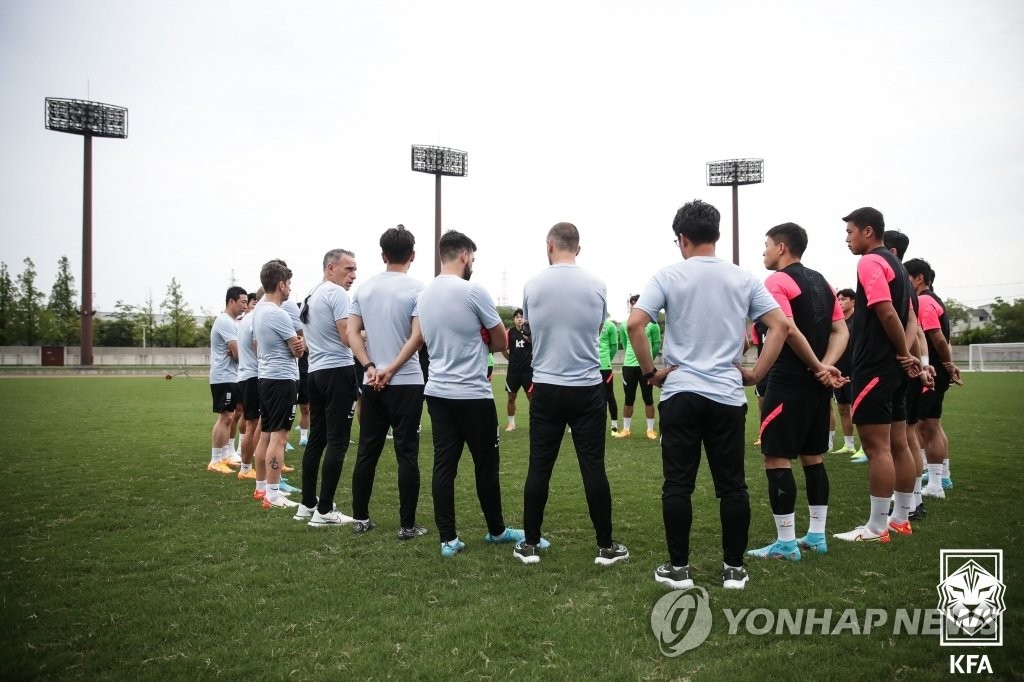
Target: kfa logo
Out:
[971,598]
[969,663]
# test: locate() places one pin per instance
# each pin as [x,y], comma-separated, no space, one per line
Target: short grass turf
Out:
[123,559]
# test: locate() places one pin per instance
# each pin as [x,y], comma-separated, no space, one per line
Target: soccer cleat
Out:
[232,460]
[919,513]
[947,483]
[251,474]
[859,458]
[901,528]
[452,547]
[734,578]
[219,468]
[676,578]
[285,469]
[845,450]
[528,554]
[863,534]
[258,495]
[288,447]
[652,434]
[507,535]
[623,433]
[787,551]
[929,491]
[606,556]
[813,542]
[360,527]
[304,513]
[331,518]
[280,502]
[412,532]
[288,489]
[615,429]
[510,427]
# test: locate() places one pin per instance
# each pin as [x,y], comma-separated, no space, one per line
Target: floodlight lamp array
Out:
[736,172]
[80,117]
[439,160]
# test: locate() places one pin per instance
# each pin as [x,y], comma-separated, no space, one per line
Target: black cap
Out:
[863,217]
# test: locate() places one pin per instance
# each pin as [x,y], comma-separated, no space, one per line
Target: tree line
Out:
[29,318]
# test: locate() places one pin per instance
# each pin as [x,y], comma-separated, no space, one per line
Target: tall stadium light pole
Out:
[735,172]
[439,161]
[88,119]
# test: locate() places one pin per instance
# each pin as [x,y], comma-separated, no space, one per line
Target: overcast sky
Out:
[263,130]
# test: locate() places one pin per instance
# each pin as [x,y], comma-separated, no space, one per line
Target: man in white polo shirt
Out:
[224,377]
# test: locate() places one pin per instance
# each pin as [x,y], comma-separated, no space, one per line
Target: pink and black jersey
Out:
[932,316]
[880,277]
[804,295]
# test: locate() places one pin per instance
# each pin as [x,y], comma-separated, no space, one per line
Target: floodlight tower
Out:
[735,172]
[439,161]
[88,119]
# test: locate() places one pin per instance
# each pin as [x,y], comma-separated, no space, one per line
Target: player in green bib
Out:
[633,377]
[607,347]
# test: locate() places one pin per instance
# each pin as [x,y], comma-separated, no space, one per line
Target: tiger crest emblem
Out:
[971,598]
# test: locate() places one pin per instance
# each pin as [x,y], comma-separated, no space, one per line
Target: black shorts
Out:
[844,395]
[360,374]
[914,396]
[304,379]
[631,378]
[224,397]
[879,399]
[794,422]
[930,405]
[516,379]
[277,403]
[249,395]
[490,372]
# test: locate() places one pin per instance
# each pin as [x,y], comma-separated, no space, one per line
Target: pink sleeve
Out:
[874,275]
[783,289]
[928,318]
[837,310]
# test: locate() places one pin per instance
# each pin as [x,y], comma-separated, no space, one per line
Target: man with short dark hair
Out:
[707,302]
[519,373]
[386,308]
[332,389]
[794,415]
[277,347]
[881,360]
[460,324]
[224,377]
[844,394]
[566,307]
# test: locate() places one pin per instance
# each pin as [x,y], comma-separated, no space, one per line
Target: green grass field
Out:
[123,559]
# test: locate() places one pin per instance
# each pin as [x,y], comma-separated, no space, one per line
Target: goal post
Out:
[995,357]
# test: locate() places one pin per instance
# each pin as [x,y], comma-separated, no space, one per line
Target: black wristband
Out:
[650,375]
[368,365]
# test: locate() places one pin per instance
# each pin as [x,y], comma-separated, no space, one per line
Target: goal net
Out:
[996,357]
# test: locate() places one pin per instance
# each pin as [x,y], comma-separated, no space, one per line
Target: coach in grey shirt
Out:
[566,307]
[460,325]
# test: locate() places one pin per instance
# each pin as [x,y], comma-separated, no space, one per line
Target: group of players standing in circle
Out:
[560,351]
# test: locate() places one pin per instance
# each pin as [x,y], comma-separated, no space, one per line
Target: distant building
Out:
[979,317]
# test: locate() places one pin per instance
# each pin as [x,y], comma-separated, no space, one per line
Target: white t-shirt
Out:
[707,302]
[247,360]
[273,329]
[386,303]
[327,304]
[223,367]
[452,311]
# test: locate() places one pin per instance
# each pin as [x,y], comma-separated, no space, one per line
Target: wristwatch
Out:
[367,366]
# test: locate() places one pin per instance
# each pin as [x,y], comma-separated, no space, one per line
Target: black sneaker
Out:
[528,554]
[410,533]
[606,556]
[676,578]
[734,578]
[917,514]
[360,527]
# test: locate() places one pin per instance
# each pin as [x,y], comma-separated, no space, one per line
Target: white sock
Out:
[626,421]
[273,491]
[904,505]
[512,420]
[245,468]
[261,485]
[818,515]
[878,521]
[917,492]
[934,476]
[303,433]
[849,441]
[945,468]
[650,424]
[215,455]
[831,437]
[227,451]
[615,423]
[785,526]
